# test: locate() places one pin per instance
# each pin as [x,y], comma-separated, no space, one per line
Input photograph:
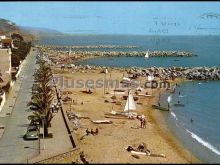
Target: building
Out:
[5,66]
[5,42]
[5,74]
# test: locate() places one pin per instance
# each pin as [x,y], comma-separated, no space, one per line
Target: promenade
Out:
[13,148]
[60,143]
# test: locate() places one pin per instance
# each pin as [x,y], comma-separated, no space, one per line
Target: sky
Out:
[138,18]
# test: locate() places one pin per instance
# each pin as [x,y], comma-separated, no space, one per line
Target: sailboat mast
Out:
[104,83]
[69,51]
[128,101]
[106,71]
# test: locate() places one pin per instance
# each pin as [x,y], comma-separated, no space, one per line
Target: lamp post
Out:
[106,71]
[43,135]
[27,154]
[71,104]
[28,157]
[42,119]
[128,102]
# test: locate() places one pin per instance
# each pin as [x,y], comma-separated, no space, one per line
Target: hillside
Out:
[39,31]
[7,27]
[28,33]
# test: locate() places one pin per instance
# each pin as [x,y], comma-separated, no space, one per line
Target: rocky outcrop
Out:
[65,50]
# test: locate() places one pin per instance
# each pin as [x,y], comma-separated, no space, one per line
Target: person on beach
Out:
[52,108]
[87,132]
[96,131]
[141,120]
[92,132]
[129,149]
[158,104]
[143,123]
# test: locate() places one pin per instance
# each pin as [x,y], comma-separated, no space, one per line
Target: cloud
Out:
[99,17]
[83,17]
[77,16]
[83,30]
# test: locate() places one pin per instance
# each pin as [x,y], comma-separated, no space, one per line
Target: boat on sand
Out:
[159,107]
[130,105]
[102,121]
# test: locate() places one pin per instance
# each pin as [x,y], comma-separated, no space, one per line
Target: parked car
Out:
[34,89]
[32,133]
[33,107]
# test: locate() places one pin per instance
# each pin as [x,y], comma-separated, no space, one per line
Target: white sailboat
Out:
[169,99]
[150,78]
[70,52]
[130,104]
[147,54]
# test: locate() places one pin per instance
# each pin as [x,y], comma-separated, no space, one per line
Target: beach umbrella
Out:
[106,71]
[169,99]
[150,78]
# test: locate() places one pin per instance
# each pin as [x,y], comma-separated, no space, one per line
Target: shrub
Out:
[22,50]
[6,87]
[15,60]
[16,36]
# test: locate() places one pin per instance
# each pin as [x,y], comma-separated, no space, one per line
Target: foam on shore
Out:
[174,115]
[203,142]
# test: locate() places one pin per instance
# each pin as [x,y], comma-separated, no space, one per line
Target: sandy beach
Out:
[109,145]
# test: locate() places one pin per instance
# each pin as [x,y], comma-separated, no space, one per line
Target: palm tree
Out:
[1,81]
[43,98]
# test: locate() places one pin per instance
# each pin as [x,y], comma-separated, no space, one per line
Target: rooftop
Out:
[6,40]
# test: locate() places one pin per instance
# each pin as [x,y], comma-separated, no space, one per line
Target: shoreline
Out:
[163,129]
[168,137]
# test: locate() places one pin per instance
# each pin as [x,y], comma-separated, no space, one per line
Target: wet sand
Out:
[109,146]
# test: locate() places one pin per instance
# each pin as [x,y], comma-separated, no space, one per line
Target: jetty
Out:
[78,51]
[63,59]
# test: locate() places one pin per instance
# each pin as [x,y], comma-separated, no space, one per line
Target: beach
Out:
[87,85]
[109,145]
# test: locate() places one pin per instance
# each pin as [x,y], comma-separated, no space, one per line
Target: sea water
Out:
[197,123]
[206,47]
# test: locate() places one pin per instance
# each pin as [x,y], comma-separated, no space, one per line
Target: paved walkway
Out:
[13,149]
[59,143]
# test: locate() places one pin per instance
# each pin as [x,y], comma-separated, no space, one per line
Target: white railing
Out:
[20,67]
[3,101]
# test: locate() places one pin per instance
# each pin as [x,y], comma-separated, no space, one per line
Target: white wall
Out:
[20,68]
[3,101]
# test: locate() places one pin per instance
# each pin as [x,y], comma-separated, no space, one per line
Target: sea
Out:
[196,124]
